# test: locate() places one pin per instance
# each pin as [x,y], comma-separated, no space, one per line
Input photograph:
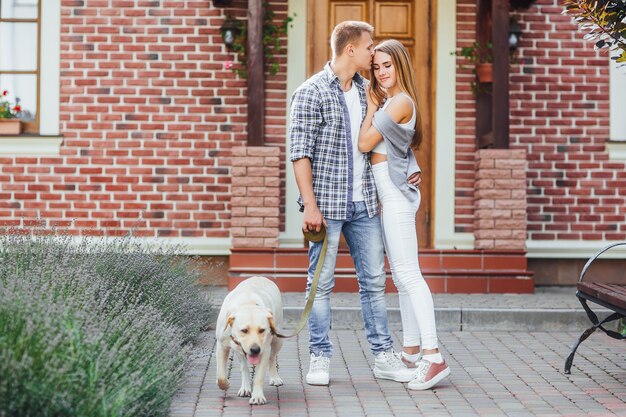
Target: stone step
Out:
[446,271]
[468,319]
[548,309]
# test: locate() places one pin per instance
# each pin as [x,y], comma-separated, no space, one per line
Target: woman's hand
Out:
[368,135]
[415,179]
[372,104]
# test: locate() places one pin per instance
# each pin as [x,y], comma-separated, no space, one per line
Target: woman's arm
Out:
[368,135]
[400,110]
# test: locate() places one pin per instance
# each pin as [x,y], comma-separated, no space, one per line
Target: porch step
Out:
[548,309]
[446,271]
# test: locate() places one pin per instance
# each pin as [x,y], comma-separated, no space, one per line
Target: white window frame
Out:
[48,141]
[616,146]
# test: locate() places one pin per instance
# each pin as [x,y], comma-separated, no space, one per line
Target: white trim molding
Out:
[616,149]
[201,245]
[206,246]
[30,145]
[212,246]
[445,156]
[617,101]
[572,249]
[50,76]
[456,241]
[296,75]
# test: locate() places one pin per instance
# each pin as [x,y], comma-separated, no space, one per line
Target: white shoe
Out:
[318,370]
[408,363]
[429,374]
[388,365]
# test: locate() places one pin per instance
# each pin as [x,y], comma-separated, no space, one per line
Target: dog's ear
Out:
[229,322]
[270,320]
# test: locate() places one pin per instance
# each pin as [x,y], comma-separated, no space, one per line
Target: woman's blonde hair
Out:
[405,77]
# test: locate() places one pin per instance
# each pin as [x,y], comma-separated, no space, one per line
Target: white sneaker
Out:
[408,363]
[318,370]
[429,374]
[388,365]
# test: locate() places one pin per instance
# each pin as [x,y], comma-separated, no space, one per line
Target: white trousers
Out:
[398,224]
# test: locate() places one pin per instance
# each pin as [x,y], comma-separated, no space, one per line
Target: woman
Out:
[398,123]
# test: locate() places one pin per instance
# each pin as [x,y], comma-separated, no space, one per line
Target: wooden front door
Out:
[413,23]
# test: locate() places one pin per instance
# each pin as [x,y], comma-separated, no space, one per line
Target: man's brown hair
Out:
[347,32]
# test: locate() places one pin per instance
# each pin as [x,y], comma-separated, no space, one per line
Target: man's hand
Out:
[304,177]
[312,218]
[415,179]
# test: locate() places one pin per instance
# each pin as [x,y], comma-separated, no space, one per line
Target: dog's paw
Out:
[257,398]
[244,391]
[277,381]
[223,384]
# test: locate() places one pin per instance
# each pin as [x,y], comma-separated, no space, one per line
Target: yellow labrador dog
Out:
[247,324]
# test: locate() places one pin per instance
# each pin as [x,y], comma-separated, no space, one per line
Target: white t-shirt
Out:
[358,162]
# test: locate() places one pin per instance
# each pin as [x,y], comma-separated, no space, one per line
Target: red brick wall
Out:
[559,114]
[149,114]
[465,121]
[500,204]
[256,188]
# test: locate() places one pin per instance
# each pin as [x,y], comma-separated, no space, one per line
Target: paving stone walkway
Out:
[510,373]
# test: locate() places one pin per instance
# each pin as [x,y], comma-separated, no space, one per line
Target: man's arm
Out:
[304,177]
[306,120]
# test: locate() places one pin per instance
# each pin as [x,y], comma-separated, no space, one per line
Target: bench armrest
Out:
[594,257]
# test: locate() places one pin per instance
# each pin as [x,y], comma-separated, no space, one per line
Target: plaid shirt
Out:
[320,131]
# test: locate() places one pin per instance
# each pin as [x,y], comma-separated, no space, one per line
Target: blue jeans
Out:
[364,238]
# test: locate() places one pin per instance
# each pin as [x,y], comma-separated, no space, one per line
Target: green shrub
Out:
[94,329]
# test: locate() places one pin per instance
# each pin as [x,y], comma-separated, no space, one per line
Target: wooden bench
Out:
[611,296]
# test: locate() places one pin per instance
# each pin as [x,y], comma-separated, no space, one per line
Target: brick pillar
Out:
[500,199]
[255,197]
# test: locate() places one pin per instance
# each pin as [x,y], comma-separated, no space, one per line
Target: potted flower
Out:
[482,58]
[9,123]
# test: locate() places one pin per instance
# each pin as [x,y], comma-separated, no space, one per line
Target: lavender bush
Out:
[154,276]
[94,329]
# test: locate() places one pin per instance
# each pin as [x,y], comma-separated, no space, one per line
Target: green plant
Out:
[96,328]
[476,53]
[8,110]
[605,21]
[272,34]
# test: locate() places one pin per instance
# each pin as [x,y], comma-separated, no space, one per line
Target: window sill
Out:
[25,145]
[616,150]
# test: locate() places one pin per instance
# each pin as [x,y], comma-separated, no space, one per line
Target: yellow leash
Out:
[315,237]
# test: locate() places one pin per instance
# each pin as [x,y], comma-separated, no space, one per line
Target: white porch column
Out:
[296,75]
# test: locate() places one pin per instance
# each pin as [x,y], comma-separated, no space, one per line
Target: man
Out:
[337,187]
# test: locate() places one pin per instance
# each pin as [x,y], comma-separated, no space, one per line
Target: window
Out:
[19,58]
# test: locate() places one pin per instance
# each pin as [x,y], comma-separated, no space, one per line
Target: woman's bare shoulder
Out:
[400,109]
